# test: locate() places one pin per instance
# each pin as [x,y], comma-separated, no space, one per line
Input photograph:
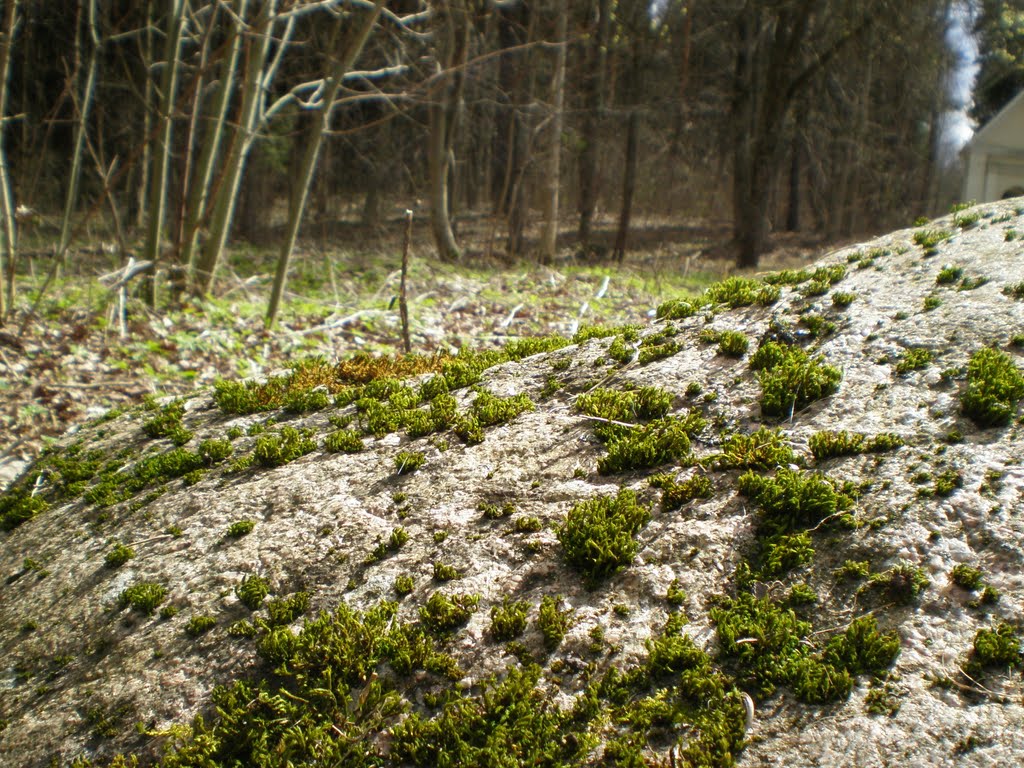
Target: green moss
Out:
[675,494]
[841,299]
[817,325]
[947,482]
[1015,290]
[409,461]
[143,597]
[931,302]
[597,537]
[587,332]
[641,404]
[444,613]
[853,569]
[553,622]
[494,512]
[782,553]
[517,350]
[285,610]
[404,585]
[930,238]
[733,343]
[274,450]
[966,576]
[996,647]
[781,655]
[790,379]
[240,528]
[995,385]
[527,524]
[736,292]
[252,591]
[680,309]
[762,449]
[343,441]
[794,500]
[118,555]
[446,572]
[949,275]
[649,445]
[167,423]
[508,620]
[675,595]
[199,625]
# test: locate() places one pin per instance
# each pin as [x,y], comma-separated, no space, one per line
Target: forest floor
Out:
[77,355]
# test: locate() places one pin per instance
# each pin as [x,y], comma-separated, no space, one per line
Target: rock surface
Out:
[81,669]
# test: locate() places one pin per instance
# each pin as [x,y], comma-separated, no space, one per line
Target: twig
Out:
[403,304]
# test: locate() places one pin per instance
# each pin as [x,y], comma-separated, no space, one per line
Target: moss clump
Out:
[143,597]
[949,275]
[853,569]
[240,528]
[343,441]
[781,654]
[680,309]
[997,647]
[828,444]
[762,449]
[675,494]
[446,572]
[994,388]
[167,423]
[649,445]
[527,524]
[395,541]
[782,553]
[733,343]
[794,500]
[404,585]
[587,332]
[214,450]
[966,576]
[285,610]
[842,299]
[553,622]
[252,591]
[199,625]
[1015,291]
[508,620]
[489,410]
[597,537]
[790,379]
[736,292]
[817,325]
[930,238]
[641,404]
[913,360]
[409,461]
[444,613]
[118,555]
[274,450]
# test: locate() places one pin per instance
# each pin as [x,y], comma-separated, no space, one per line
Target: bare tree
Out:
[549,237]
[9,246]
[325,95]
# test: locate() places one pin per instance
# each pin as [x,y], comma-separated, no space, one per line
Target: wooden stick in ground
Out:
[403,304]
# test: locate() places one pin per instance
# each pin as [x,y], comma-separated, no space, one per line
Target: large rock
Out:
[86,675]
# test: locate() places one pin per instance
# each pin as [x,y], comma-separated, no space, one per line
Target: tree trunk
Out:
[162,152]
[628,186]
[9,233]
[594,107]
[199,188]
[81,129]
[549,237]
[297,204]
[453,49]
[257,45]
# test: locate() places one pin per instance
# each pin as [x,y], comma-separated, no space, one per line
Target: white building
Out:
[994,157]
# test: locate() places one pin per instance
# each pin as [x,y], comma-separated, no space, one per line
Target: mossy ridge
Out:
[311,384]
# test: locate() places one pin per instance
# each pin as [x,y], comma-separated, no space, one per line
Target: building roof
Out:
[1000,129]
